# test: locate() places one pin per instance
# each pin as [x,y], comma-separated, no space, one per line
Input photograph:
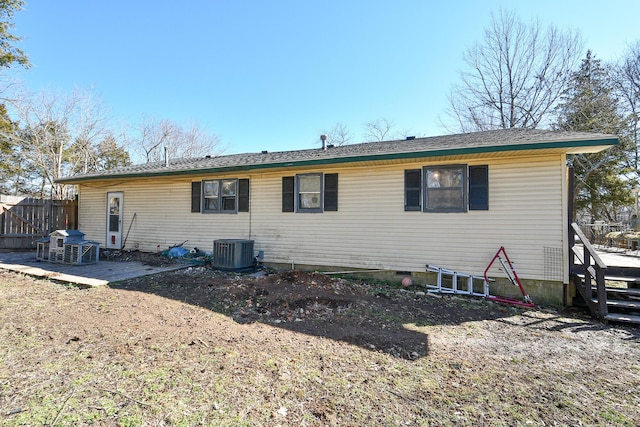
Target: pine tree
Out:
[589,105]
[9,53]
[10,170]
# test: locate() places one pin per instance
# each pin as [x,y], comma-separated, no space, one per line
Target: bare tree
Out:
[44,135]
[406,133]
[338,135]
[378,130]
[150,137]
[515,76]
[61,134]
[154,138]
[626,82]
[89,125]
[194,141]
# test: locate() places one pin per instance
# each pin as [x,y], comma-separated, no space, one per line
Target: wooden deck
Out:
[99,274]
[618,257]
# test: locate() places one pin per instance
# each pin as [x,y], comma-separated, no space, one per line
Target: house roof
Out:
[503,140]
[67,233]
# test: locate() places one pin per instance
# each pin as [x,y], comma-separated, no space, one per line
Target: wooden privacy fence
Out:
[24,220]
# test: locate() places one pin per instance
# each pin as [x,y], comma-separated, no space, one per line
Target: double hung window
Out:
[220,196]
[311,192]
[447,188]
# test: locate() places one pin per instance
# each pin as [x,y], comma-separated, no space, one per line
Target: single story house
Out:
[450,201]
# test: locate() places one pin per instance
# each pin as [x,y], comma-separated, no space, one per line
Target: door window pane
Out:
[114,223]
[114,206]
[114,214]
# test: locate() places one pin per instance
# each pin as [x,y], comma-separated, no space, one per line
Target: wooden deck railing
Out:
[593,272]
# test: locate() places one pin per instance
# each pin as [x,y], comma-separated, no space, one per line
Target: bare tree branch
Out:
[626,83]
[152,136]
[378,130]
[515,77]
[338,135]
[60,135]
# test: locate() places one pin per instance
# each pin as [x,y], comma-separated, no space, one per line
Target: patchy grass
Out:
[202,348]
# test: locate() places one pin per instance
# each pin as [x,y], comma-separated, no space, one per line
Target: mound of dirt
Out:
[362,312]
[148,258]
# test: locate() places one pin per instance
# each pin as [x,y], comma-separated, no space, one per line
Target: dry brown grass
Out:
[201,348]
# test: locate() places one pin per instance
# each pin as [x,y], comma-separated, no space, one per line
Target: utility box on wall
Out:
[233,254]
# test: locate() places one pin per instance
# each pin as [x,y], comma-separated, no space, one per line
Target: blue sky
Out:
[273,75]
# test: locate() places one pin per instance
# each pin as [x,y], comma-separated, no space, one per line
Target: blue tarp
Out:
[177,252]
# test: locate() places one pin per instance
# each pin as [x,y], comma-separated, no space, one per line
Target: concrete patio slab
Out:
[99,274]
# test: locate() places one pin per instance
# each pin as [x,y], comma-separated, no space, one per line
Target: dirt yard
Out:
[200,347]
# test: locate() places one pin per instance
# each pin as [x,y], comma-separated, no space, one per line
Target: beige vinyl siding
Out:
[163,216]
[370,228]
[92,212]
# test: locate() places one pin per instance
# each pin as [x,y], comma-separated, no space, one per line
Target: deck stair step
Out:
[625,279]
[616,303]
[619,317]
[632,292]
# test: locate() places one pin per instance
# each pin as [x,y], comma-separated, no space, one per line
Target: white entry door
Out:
[114,220]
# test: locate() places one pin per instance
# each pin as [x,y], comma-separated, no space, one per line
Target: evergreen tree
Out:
[6,149]
[10,170]
[106,154]
[601,187]
[9,54]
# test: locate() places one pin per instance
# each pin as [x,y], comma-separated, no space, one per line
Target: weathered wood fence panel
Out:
[24,220]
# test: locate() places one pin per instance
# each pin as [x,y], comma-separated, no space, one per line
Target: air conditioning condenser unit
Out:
[233,254]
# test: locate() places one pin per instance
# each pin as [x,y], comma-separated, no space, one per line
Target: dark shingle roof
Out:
[468,143]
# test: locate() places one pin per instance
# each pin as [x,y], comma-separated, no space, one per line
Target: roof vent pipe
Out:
[323,138]
[166,156]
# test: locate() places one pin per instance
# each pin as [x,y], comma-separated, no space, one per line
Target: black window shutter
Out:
[243,195]
[479,188]
[288,196]
[331,192]
[196,189]
[412,189]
